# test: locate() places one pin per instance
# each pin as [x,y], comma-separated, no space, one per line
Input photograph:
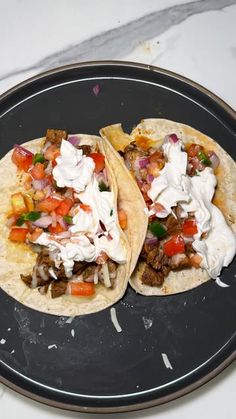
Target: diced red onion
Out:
[54,219]
[151,241]
[64,234]
[23,150]
[105,175]
[150,178]
[48,191]
[171,137]
[74,140]
[174,138]
[96,89]
[62,222]
[100,177]
[69,193]
[46,145]
[143,162]
[49,168]
[43,222]
[215,161]
[39,185]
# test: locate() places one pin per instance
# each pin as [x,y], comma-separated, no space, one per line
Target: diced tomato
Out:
[52,152]
[189,227]
[22,158]
[174,245]
[64,206]
[56,230]
[48,204]
[99,160]
[122,216]
[85,207]
[37,171]
[194,149]
[18,203]
[83,289]
[102,258]
[18,234]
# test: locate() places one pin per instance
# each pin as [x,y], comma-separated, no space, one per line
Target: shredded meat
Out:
[89,271]
[44,258]
[79,267]
[152,277]
[86,149]
[27,279]
[172,224]
[56,136]
[58,288]
[60,272]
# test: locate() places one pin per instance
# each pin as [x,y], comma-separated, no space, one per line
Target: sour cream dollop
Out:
[88,239]
[194,194]
[73,169]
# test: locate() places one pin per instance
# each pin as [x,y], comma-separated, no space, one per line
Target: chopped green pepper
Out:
[111,212]
[103,187]
[38,158]
[204,159]
[68,219]
[157,229]
[29,216]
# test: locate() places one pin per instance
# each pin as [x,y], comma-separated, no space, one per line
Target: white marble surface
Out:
[194,38]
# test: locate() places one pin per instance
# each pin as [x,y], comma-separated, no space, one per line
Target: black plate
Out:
[99,369]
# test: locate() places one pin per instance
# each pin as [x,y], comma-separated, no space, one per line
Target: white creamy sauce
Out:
[114,320]
[166,361]
[73,169]
[86,242]
[194,194]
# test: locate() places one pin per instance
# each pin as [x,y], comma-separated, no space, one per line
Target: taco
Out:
[62,248]
[188,184]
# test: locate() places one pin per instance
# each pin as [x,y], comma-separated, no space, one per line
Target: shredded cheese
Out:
[114,320]
[166,361]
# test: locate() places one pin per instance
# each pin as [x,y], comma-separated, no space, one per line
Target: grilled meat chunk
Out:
[172,225]
[131,154]
[79,267]
[152,277]
[179,261]
[27,279]
[87,149]
[89,271]
[58,288]
[55,136]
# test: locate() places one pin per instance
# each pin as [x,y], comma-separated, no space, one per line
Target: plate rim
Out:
[230,358]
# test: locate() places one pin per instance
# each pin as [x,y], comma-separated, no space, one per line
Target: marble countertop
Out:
[193,38]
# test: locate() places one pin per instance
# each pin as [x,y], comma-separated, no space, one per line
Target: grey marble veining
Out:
[118,42]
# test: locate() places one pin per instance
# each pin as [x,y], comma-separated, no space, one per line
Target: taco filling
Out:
[66,211]
[177,180]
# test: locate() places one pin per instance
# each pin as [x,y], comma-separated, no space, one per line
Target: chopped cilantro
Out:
[103,187]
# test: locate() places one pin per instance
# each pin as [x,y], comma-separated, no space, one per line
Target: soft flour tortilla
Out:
[18,258]
[153,132]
